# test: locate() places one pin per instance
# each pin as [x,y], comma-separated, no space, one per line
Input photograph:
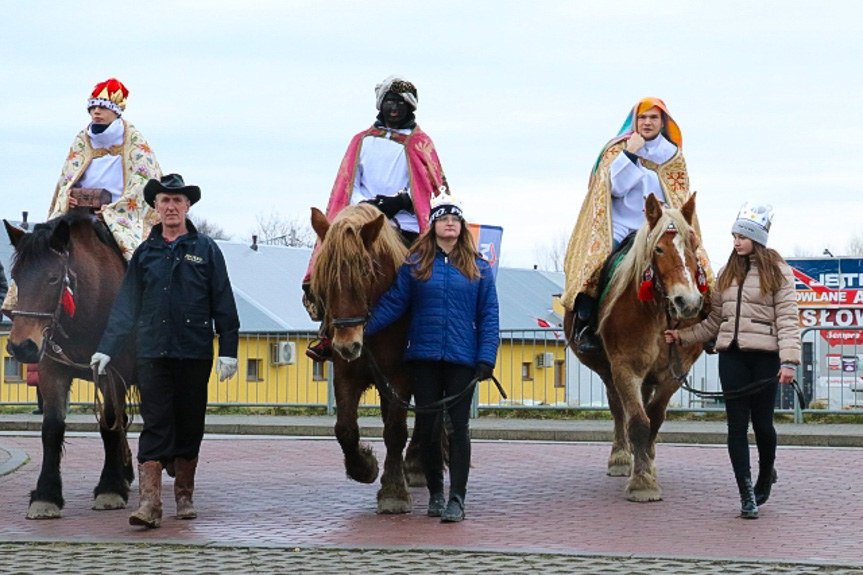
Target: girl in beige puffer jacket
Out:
[755,322]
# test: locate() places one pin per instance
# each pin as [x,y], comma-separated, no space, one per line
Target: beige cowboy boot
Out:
[149,514]
[184,486]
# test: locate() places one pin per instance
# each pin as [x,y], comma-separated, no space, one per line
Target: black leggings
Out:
[434,380]
[738,369]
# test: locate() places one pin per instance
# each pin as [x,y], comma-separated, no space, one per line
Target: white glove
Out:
[226,367]
[99,362]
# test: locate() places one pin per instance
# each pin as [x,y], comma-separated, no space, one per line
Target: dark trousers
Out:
[432,381]
[738,369]
[173,405]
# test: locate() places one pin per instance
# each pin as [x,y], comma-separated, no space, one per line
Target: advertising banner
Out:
[830,295]
[487,240]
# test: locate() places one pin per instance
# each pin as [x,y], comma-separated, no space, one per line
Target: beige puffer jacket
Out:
[759,323]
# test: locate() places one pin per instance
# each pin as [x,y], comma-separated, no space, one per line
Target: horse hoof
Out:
[106,501]
[43,510]
[644,495]
[390,506]
[416,479]
[618,470]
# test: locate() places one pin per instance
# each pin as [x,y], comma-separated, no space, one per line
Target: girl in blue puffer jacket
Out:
[449,290]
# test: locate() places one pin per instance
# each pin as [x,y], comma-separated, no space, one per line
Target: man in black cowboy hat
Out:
[175,288]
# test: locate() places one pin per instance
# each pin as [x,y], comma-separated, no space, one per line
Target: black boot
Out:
[586,339]
[748,507]
[766,478]
[454,511]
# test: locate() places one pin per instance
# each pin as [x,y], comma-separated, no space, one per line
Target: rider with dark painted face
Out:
[394,166]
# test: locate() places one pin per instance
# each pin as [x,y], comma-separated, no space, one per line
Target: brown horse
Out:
[359,258]
[634,363]
[68,272]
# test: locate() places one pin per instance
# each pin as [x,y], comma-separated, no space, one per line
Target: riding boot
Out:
[184,486]
[586,339]
[320,349]
[766,478]
[149,514]
[748,507]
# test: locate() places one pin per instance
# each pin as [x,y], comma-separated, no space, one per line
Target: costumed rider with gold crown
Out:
[105,172]
[645,157]
[394,166]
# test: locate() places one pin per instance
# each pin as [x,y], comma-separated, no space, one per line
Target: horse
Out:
[634,361]
[68,271]
[359,258]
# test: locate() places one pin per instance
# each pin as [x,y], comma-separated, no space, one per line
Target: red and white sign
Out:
[821,306]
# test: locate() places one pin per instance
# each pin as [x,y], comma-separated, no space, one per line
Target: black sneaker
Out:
[437,503]
[454,512]
[320,350]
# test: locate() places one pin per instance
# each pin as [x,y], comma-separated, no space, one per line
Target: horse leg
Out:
[46,500]
[620,460]
[642,485]
[393,496]
[655,409]
[360,461]
[112,491]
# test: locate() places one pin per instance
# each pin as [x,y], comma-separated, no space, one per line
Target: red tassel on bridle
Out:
[68,301]
[645,290]
[701,278]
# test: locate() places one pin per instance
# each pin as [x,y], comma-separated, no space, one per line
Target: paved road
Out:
[271,504]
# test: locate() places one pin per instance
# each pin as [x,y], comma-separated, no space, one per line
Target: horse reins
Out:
[386,390]
[675,366]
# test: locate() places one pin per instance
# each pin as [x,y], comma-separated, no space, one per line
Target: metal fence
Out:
[535,368]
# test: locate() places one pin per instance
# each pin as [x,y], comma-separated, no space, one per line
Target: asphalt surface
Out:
[273,498]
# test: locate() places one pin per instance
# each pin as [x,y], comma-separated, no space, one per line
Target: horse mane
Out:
[34,249]
[629,271]
[343,244]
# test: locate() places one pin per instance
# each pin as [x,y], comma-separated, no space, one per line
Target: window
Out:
[253,370]
[13,371]
[559,373]
[526,373]
[319,370]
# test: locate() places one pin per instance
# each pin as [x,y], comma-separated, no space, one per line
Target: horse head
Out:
[679,277]
[357,262]
[41,273]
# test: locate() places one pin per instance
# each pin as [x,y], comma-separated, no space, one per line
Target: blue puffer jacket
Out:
[452,318]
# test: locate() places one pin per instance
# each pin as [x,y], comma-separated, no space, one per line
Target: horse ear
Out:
[688,209]
[15,233]
[320,223]
[59,240]
[652,210]
[371,230]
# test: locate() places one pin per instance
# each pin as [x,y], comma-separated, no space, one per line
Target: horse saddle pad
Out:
[91,197]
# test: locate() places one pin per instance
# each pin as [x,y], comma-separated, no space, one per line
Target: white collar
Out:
[658,150]
[112,136]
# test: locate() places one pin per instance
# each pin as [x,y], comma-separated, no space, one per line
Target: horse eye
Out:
[659,250]
[53,279]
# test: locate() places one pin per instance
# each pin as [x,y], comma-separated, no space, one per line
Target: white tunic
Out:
[632,183]
[105,172]
[382,170]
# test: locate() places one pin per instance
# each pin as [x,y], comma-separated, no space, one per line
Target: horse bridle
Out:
[70,282]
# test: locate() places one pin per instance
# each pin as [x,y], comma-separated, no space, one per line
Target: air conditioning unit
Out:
[545,359]
[283,353]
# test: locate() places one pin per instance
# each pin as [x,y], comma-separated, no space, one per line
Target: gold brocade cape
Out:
[592,239]
[129,218]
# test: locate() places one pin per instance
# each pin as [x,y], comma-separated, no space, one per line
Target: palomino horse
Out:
[67,275]
[359,258]
[634,363]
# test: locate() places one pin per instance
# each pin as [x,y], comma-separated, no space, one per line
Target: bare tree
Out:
[274,229]
[550,256]
[801,252]
[855,245]
[209,228]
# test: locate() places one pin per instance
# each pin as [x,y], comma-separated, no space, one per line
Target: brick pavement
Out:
[523,496]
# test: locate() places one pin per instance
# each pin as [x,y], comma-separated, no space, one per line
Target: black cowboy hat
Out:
[170,184]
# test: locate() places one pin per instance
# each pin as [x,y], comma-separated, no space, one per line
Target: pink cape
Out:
[424,174]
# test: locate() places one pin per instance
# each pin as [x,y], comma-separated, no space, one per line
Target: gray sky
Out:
[256,101]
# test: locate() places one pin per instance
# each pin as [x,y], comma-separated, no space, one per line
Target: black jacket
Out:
[171,294]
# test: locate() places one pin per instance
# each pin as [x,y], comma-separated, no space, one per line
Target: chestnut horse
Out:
[68,272]
[359,258]
[634,363]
